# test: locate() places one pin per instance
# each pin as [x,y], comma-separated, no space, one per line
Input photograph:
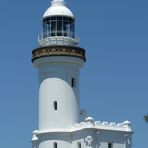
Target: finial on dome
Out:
[58,8]
[57,2]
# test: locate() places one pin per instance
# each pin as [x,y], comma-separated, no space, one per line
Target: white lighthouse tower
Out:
[58,60]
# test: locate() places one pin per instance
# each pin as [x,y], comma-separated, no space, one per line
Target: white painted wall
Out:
[63,125]
[55,74]
[88,137]
[100,138]
[63,140]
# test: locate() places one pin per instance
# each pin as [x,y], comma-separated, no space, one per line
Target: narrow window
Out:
[55,105]
[73,82]
[110,145]
[79,145]
[55,145]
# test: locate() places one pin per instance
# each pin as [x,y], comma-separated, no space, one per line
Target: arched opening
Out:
[73,82]
[110,145]
[55,145]
[79,145]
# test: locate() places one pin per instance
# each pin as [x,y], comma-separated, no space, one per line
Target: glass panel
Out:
[65,18]
[44,20]
[59,18]
[70,19]
[65,28]
[47,19]
[53,28]
[53,18]
[49,29]
[44,30]
[59,28]
[72,29]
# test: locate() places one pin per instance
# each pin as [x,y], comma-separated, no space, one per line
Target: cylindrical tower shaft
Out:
[58,91]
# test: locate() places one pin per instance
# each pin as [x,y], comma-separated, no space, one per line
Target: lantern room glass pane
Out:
[53,28]
[58,26]
[59,18]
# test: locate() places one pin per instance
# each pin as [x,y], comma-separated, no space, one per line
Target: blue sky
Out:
[114,81]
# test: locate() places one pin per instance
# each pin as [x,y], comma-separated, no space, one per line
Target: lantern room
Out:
[58,26]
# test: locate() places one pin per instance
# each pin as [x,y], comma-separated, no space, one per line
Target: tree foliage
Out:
[146,118]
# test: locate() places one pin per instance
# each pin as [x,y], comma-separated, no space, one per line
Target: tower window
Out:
[79,145]
[55,105]
[55,145]
[73,82]
[110,145]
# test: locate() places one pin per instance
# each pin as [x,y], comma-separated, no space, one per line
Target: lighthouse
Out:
[58,60]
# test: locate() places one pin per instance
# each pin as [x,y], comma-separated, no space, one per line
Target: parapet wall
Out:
[90,123]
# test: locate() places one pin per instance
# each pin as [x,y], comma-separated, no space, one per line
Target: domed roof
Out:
[89,119]
[127,122]
[58,8]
